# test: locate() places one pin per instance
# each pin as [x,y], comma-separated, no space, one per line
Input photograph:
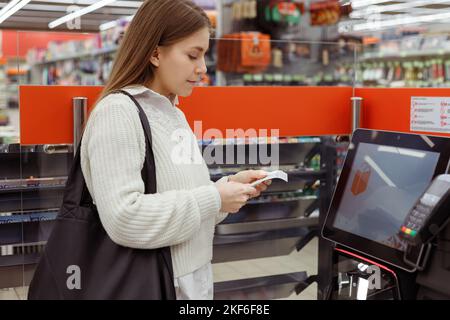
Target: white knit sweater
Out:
[183,212]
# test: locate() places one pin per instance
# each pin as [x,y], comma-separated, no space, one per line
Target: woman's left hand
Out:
[249,176]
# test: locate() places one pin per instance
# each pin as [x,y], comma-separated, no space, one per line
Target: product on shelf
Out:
[415,61]
[430,72]
[325,12]
[243,9]
[4,119]
[280,14]
[245,52]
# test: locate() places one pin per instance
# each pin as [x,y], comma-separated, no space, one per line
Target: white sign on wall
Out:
[430,114]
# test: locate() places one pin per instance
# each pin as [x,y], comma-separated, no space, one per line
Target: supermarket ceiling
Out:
[367,15]
[36,15]
[373,15]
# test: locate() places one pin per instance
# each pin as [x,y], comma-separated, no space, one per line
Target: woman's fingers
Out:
[253,175]
[260,174]
[262,187]
[249,190]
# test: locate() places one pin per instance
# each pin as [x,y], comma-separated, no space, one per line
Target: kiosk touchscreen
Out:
[384,174]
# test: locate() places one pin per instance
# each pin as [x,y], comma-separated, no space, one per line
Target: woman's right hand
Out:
[234,195]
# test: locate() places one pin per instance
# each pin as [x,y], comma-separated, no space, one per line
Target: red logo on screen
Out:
[360,181]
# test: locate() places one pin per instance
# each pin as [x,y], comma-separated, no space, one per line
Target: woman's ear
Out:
[154,59]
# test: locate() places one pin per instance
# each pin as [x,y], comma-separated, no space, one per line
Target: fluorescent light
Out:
[380,172]
[394,7]
[79,13]
[112,24]
[401,21]
[405,152]
[12,8]
[363,3]
[107,25]
[124,4]
[8,6]
[428,141]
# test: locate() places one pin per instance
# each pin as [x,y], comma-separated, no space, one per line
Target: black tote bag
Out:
[80,261]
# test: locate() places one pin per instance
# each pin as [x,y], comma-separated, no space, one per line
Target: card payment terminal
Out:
[429,214]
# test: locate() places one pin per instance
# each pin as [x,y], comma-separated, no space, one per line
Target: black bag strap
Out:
[77,192]
[149,169]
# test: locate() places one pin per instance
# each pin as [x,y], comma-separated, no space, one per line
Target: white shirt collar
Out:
[139,89]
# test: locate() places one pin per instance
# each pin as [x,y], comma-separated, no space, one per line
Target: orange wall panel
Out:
[46,111]
[389,108]
[46,114]
[295,111]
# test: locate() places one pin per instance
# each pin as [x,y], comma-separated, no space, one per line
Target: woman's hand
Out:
[249,176]
[234,195]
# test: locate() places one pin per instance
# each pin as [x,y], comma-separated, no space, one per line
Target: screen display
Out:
[383,186]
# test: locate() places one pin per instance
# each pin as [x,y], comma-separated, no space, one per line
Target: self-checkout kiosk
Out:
[388,218]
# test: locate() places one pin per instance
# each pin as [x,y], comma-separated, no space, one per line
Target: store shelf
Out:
[45,148]
[268,225]
[262,288]
[260,140]
[294,173]
[404,54]
[14,260]
[25,233]
[279,209]
[93,53]
[27,185]
[40,215]
[281,199]
[254,245]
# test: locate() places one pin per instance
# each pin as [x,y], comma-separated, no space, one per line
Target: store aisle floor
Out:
[305,260]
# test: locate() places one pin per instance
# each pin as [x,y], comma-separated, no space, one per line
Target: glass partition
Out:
[415,61]
[11,227]
[287,63]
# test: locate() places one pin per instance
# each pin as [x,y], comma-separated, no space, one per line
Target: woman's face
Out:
[180,66]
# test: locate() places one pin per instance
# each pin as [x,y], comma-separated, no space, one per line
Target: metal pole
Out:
[79,120]
[356,112]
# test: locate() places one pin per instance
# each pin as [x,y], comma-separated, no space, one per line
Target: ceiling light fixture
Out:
[112,24]
[364,3]
[11,8]
[123,4]
[79,13]
[394,7]
[401,21]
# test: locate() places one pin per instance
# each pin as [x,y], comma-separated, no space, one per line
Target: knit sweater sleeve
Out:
[112,157]
[221,215]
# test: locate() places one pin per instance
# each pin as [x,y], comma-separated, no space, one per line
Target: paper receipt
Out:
[277,174]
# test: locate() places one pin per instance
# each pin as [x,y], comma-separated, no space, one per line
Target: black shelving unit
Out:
[277,225]
[32,181]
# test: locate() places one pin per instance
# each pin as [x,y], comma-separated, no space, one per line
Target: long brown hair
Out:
[156,23]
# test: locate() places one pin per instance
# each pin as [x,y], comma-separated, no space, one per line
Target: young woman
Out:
[161,57]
